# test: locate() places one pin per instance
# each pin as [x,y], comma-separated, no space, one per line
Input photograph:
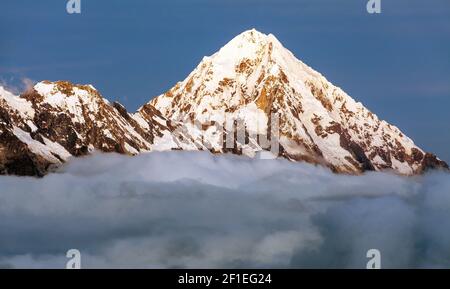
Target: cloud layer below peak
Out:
[193,209]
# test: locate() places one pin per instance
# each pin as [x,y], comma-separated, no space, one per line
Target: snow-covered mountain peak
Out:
[252,37]
[54,121]
[247,40]
[254,47]
[251,93]
[64,93]
[254,77]
[249,46]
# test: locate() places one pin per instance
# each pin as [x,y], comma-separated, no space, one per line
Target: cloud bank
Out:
[192,209]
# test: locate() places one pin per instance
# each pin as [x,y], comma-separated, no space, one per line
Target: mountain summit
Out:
[253,77]
[252,83]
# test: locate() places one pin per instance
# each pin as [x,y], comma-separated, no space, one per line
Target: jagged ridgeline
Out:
[246,83]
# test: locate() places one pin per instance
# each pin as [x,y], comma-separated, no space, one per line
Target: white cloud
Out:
[192,209]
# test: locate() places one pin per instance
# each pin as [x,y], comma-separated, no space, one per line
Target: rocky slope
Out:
[253,79]
[250,97]
[54,121]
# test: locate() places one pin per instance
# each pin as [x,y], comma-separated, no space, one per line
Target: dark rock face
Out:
[430,161]
[17,159]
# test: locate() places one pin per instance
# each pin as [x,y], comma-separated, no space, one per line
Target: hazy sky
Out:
[396,63]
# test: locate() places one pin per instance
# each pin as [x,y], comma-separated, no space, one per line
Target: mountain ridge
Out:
[54,121]
[252,82]
[253,76]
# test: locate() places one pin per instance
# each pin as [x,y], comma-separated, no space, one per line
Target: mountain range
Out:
[253,97]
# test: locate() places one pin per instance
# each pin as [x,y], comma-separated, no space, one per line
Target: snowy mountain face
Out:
[253,79]
[253,97]
[54,121]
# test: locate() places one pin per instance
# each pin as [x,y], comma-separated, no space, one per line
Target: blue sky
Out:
[396,63]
